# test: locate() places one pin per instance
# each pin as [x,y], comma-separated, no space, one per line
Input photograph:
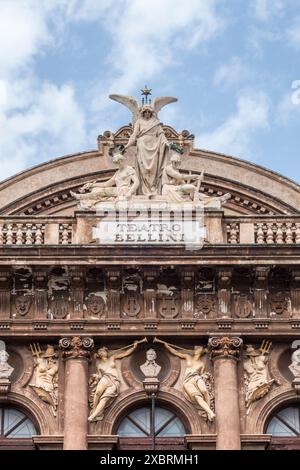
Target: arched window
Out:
[135,429]
[286,422]
[285,428]
[15,428]
[137,424]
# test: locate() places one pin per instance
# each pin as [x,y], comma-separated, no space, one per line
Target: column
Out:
[76,352]
[225,352]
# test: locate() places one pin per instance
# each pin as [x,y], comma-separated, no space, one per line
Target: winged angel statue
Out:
[152,144]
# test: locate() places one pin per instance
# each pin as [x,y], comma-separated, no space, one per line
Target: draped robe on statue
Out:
[152,146]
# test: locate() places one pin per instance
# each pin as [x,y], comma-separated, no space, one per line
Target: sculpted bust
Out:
[295,366]
[5,369]
[150,368]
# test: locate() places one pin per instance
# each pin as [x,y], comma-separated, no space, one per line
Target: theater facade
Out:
[122,343]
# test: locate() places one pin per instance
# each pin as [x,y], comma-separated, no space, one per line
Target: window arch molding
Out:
[130,401]
[16,423]
[167,422]
[34,412]
[287,417]
[264,414]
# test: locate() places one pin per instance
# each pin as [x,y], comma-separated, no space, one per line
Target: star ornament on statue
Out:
[146,92]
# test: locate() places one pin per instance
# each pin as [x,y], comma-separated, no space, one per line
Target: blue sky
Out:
[231,63]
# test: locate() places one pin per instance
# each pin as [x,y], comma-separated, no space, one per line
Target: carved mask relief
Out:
[278,303]
[22,304]
[204,305]
[95,305]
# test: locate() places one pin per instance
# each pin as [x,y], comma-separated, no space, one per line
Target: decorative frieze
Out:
[255,294]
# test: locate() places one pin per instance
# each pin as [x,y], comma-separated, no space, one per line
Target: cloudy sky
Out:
[233,64]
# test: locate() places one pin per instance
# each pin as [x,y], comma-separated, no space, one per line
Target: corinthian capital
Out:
[225,347]
[76,347]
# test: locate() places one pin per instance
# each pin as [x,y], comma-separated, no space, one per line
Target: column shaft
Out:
[76,352]
[227,404]
[225,352]
[76,404]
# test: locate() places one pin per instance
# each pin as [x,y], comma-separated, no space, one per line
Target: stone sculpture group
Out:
[156,172]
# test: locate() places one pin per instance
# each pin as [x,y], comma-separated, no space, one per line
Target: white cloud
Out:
[91,10]
[293,33]
[288,108]
[265,9]
[231,73]
[22,33]
[147,39]
[50,125]
[39,119]
[234,135]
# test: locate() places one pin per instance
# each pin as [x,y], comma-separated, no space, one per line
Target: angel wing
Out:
[130,103]
[162,101]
